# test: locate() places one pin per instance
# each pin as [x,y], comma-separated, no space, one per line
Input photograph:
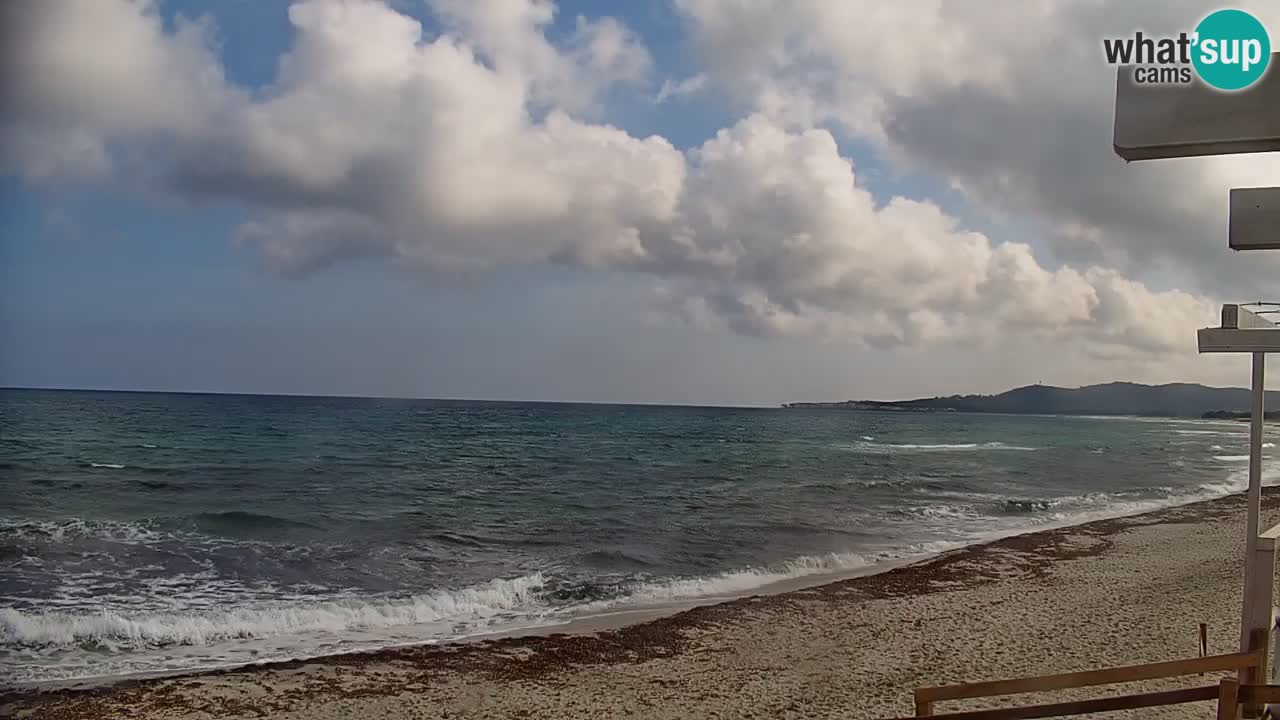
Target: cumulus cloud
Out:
[1011,104]
[476,149]
[66,97]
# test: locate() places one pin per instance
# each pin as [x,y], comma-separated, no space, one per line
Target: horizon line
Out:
[148,391]
[235,393]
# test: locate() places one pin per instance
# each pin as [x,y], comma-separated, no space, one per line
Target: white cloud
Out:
[65,98]
[511,36]
[778,238]
[474,150]
[1010,102]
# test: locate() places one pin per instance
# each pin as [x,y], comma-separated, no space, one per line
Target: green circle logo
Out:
[1232,49]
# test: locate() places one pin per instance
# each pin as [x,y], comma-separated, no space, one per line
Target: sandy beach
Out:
[1105,593]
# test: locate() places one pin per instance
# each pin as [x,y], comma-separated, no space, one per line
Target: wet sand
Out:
[1105,593]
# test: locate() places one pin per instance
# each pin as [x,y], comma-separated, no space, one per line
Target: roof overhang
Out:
[1242,331]
[1169,121]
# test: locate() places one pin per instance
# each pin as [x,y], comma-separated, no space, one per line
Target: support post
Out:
[1259,567]
[1264,559]
[924,707]
[1254,507]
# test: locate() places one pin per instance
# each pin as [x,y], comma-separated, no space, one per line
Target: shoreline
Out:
[547,654]
[608,619]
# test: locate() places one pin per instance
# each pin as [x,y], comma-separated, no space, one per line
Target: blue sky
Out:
[157,295]
[116,284]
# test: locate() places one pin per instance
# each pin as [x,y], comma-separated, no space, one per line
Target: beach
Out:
[1110,592]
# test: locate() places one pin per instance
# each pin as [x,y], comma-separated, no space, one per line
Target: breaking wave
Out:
[520,600]
[114,631]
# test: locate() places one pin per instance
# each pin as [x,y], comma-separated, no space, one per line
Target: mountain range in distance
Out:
[1177,400]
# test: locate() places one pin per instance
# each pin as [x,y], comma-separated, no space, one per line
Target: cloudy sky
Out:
[687,201]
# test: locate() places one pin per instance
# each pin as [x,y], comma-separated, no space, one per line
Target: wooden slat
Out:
[1260,693]
[1228,699]
[1087,678]
[1082,707]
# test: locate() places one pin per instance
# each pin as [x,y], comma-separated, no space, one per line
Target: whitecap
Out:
[117,631]
[943,447]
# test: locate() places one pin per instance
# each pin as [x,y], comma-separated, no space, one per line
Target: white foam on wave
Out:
[1206,432]
[940,447]
[738,582]
[945,511]
[63,530]
[111,466]
[1057,512]
[117,631]
[1236,481]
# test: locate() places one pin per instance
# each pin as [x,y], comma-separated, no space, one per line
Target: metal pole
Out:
[1255,500]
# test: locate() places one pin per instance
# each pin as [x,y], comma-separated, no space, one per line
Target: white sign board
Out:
[1167,121]
[1255,218]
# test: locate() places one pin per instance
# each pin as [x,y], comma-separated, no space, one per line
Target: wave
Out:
[156,484]
[234,521]
[1231,458]
[527,598]
[737,582]
[236,525]
[614,559]
[1206,432]
[77,528]
[113,631]
[1072,510]
[298,627]
[110,466]
[939,447]
[1028,506]
[943,511]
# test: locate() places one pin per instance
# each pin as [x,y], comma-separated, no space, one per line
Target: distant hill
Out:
[1118,398]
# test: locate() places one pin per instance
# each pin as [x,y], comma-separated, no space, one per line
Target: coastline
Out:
[762,640]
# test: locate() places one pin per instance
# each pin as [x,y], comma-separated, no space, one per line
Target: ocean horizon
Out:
[390,398]
[152,532]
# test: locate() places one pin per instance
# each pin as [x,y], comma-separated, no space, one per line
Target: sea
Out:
[150,533]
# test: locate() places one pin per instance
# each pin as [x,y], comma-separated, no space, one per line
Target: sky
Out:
[741,202]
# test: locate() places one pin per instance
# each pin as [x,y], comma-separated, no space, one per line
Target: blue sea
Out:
[145,533]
